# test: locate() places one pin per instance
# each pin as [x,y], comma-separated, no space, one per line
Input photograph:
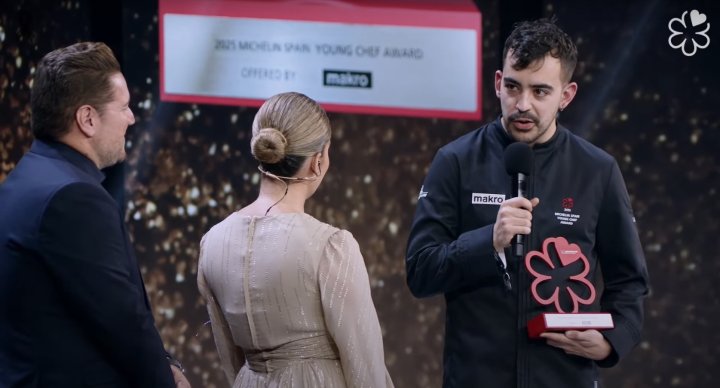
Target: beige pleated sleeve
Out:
[350,314]
[231,356]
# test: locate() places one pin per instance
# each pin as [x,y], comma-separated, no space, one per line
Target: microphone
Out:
[518,163]
[289,178]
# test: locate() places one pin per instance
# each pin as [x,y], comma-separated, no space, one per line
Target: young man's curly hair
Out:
[532,40]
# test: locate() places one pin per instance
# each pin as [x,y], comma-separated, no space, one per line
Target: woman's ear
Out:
[315,164]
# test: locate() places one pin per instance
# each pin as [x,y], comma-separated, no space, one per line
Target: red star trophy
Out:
[560,279]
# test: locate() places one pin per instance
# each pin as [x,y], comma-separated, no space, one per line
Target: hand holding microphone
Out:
[514,218]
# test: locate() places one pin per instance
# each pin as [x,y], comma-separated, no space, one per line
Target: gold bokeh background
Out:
[189,167]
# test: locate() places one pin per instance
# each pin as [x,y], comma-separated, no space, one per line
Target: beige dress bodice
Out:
[289,302]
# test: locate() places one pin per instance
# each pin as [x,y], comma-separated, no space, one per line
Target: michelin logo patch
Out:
[487,199]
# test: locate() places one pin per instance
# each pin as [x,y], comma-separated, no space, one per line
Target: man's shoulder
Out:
[42,175]
[584,148]
[471,141]
[47,167]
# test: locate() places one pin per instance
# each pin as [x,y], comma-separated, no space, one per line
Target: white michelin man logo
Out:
[699,38]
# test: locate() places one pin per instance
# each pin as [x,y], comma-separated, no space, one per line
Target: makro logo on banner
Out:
[347,79]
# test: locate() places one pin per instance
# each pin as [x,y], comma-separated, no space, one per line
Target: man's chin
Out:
[525,136]
[114,161]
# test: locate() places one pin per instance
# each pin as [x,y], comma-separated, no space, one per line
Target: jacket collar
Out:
[500,133]
[57,150]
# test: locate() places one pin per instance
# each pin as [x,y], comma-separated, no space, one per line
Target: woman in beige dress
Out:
[288,295]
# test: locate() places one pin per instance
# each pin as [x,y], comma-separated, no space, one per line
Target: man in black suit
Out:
[73,308]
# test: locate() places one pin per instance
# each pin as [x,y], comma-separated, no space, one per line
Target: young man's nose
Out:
[523,103]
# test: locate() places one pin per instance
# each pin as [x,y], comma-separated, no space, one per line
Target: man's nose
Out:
[523,103]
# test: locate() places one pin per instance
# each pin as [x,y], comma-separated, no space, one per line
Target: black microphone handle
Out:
[519,243]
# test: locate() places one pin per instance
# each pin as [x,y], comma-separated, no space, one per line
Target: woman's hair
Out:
[287,129]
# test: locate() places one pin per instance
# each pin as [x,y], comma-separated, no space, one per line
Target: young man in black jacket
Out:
[577,204]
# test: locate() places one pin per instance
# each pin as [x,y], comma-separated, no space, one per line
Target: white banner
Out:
[416,68]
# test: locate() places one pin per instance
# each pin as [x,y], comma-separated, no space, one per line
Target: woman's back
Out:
[291,295]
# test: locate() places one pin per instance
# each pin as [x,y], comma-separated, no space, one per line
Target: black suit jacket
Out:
[73,308]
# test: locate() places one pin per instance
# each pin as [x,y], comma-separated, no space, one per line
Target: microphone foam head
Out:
[518,159]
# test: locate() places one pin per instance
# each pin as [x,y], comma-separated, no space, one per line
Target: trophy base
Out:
[560,322]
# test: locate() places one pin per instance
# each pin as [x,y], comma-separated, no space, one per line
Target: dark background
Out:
[189,166]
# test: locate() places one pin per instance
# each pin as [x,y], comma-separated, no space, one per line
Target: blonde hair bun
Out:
[268,146]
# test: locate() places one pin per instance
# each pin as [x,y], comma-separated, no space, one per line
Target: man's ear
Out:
[86,118]
[498,82]
[568,94]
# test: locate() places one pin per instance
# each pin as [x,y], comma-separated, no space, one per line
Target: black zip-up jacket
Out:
[450,250]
